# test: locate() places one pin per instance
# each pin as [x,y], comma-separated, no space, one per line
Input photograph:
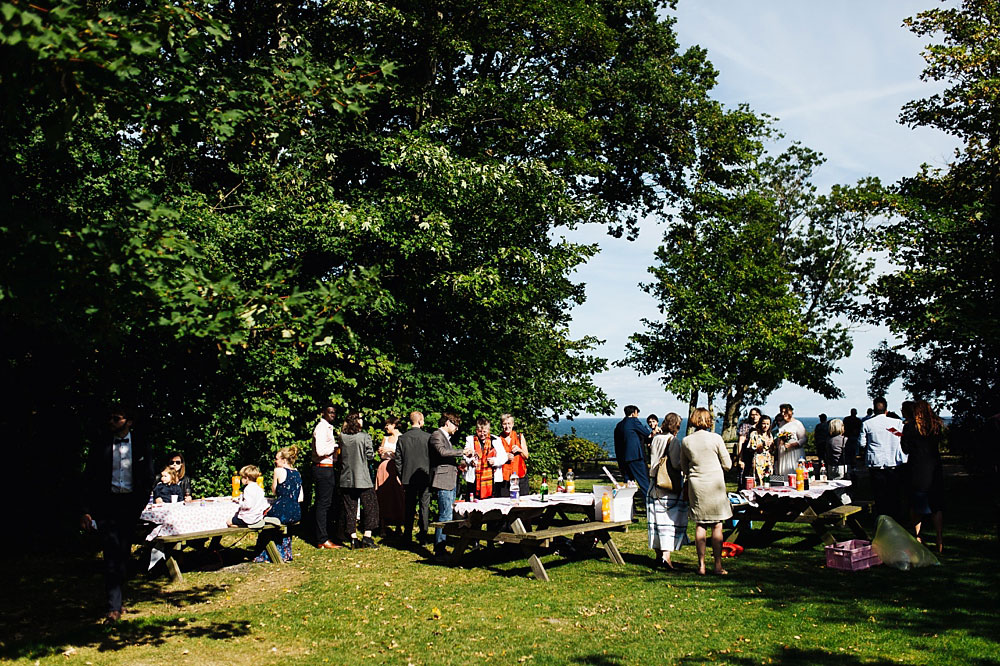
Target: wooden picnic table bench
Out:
[822,513]
[512,529]
[173,544]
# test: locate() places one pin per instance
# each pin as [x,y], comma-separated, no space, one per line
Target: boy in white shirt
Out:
[252,502]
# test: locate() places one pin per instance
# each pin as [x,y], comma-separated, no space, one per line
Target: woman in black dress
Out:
[921,441]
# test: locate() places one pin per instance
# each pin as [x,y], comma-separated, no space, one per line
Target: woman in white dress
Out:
[790,441]
[666,511]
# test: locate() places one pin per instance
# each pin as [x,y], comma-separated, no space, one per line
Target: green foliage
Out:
[215,211]
[944,237]
[546,454]
[750,282]
[577,448]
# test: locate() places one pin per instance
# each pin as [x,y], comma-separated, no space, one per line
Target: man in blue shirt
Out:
[630,435]
[884,458]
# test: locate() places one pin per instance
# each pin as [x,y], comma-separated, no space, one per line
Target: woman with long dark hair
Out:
[921,441]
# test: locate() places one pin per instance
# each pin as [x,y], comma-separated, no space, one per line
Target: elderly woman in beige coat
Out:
[704,461]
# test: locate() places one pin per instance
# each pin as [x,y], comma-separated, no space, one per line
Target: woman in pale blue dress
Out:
[666,511]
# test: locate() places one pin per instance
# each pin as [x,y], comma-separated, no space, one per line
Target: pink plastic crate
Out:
[853,555]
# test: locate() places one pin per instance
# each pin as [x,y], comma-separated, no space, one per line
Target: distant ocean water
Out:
[601,430]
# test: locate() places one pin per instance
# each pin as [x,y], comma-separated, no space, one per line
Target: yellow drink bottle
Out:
[606,508]
[236,485]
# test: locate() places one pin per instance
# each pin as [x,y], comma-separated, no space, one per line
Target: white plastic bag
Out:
[898,548]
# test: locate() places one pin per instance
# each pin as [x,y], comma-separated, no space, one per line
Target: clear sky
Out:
[835,74]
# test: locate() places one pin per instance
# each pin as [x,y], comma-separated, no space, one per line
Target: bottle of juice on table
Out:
[800,475]
[570,481]
[236,485]
[544,492]
[606,508]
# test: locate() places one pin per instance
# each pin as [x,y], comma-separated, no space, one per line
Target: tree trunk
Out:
[692,405]
[711,409]
[734,403]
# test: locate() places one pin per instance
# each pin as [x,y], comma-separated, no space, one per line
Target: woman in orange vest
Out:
[515,444]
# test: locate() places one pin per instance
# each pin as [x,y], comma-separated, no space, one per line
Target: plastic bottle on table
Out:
[570,481]
[606,508]
[544,492]
[822,472]
[800,475]
[515,486]
[236,485]
[560,484]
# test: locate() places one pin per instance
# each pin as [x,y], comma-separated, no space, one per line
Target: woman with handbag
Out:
[666,505]
[705,461]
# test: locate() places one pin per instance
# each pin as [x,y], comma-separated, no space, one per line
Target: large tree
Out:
[227,213]
[753,281]
[942,301]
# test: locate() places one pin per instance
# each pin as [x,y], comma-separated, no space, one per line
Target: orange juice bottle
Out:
[606,508]
[800,476]
[236,485]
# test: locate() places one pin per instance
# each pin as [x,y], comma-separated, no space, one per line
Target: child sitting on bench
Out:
[252,502]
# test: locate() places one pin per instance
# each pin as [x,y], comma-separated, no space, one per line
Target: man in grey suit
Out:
[414,463]
[444,471]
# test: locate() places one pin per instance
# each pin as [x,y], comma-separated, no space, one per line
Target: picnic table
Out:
[177,524]
[532,525]
[823,506]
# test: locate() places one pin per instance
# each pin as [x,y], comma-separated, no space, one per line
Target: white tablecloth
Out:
[816,489]
[504,505]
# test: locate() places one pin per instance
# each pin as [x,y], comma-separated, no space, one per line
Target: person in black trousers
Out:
[414,463]
[117,481]
[325,454]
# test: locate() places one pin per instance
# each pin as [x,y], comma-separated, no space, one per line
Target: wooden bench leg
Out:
[536,564]
[610,548]
[272,550]
[857,528]
[173,567]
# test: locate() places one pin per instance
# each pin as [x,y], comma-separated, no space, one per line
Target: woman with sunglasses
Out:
[176,462]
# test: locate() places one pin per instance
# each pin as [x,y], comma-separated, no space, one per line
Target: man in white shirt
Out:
[884,458]
[324,455]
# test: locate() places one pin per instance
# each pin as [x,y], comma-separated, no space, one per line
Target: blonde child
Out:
[168,489]
[252,501]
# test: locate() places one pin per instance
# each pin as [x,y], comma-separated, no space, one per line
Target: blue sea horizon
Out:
[600,429]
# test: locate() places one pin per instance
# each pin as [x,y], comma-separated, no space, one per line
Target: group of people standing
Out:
[415,465]
[902,455]
[700,458]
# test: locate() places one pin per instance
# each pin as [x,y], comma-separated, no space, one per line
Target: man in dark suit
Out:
[413,460]
[444,471]
[630,434]
[117,481]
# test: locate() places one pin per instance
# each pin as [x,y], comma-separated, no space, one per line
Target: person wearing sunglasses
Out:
[176,462]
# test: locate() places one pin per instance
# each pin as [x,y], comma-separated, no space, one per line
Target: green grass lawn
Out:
[778,605]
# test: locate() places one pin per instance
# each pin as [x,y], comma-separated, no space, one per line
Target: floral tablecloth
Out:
[505,505]
[816,489]
[183,518]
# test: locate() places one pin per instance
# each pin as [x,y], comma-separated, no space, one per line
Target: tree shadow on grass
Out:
[53,601]
[963,593]
[85,632]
